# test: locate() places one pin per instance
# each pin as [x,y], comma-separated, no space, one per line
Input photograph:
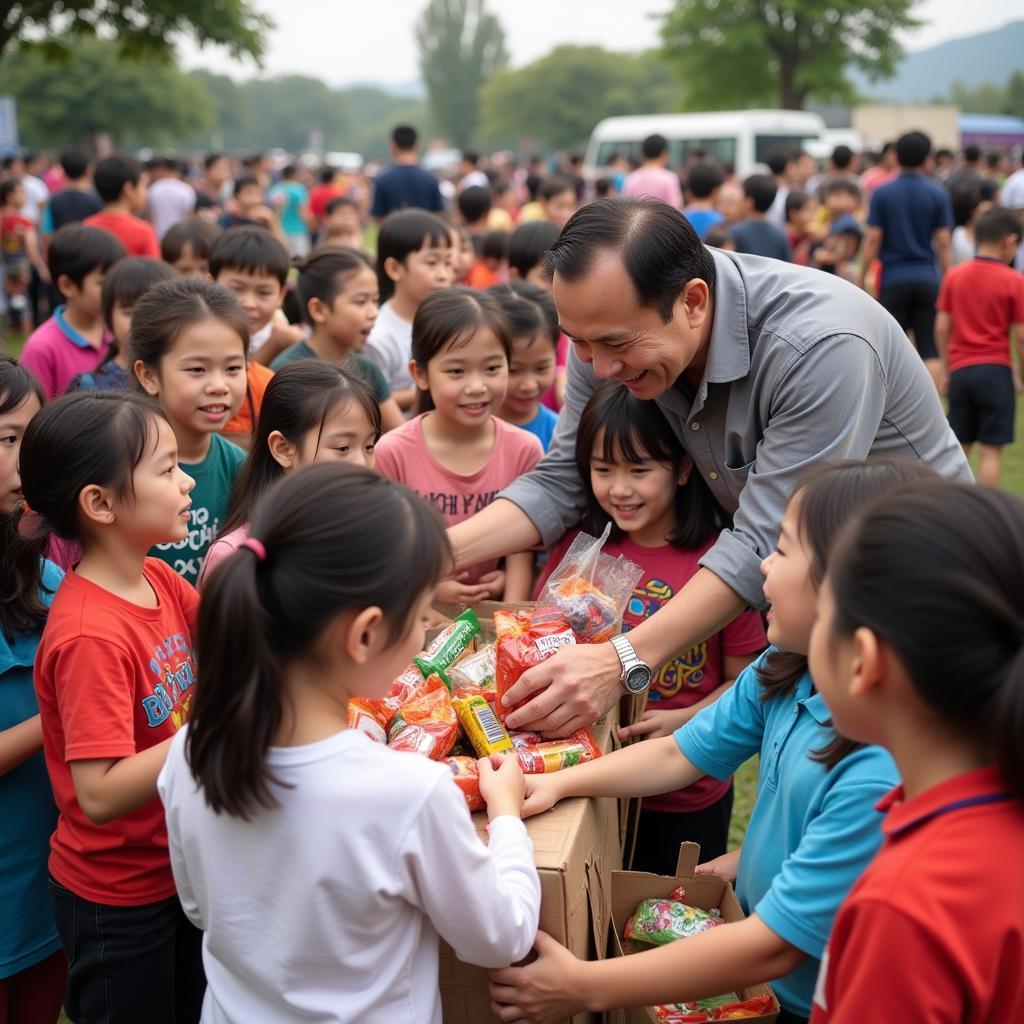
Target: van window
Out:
[764,144]
[679,150]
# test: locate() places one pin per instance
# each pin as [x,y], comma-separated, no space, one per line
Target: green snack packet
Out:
[448,646]
[655,922]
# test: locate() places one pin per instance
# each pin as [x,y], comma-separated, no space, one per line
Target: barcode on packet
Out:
[493,729]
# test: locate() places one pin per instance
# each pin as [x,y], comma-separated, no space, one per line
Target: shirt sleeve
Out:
[483,900]
[1018,305]
[944,212]
[828,406]
[152,245]
[727,734]
[46,228]
[744,635]
[374,376]
[876,210]
[944,303]
[387,461]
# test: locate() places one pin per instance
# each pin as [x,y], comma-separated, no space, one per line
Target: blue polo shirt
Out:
[812,832]
[909,210]
[405,185]
[542,425]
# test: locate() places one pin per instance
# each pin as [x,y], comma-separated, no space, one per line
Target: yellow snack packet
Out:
[479,722]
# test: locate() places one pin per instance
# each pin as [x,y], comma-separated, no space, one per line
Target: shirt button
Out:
[695,425]
[712,475]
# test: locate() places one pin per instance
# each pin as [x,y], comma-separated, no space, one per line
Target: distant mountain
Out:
[414,90]
[974,60]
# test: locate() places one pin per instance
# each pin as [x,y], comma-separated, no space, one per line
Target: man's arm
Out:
[944,248]
[869,254]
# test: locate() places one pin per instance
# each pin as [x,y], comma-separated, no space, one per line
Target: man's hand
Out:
[573,688]
[549,990]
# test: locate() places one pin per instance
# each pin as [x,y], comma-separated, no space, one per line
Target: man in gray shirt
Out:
[761,368]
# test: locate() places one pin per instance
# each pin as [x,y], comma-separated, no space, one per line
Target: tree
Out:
[556,100]
[460,44]
[736,53]
[1014,104]
[287,110]
[986,98]
[142,27]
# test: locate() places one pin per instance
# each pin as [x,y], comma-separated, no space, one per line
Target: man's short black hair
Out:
[338,202]
[777,160]
[996,224]
[603,188]
[251,250]
[653,146]
[972,153]
[830,188]
[943,154]
[796,201]
[528,244]
[762,190]
[471,157]
[912,149]
[326,175]
[74,164]
[842,157]
[474,203]
[659,249]
[704,179]
[113,173]
[76,251]
[244,181]
[211,159]
[405,137]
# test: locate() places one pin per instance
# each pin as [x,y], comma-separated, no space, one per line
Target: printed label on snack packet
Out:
[548,644]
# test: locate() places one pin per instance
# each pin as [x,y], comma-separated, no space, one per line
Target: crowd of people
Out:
[264,419]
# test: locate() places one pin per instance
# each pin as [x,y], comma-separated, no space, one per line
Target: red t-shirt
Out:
[983,297]
[688,679]
[135,234]
[13,230]
[934,928]
[320,197]
[113,679]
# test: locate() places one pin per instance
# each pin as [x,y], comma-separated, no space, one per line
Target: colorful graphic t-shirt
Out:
[215,479]
[688,679]
[113,678]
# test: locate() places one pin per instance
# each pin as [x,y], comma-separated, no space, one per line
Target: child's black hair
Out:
[123,285]
[448,319]
[761,190]
[841,185]
[244,181]
[528,243]
[8,188]
[250,250]
[555,186]
[795,202]
[632,430]
[298,399]
[958,550]
[529,309]
[703,179]
[76,251]
[111,175]
[21,559]
[83,438]
[717,236]
[474,203]
[338,202]
[997,224]
[403,233]
[494,245]
[198,234]
[325,273]
[74,163]
[338,539]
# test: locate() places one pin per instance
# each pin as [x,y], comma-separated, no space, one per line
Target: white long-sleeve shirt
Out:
[328,908]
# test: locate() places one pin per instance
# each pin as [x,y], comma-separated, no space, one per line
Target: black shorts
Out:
[912,305]
[982,403]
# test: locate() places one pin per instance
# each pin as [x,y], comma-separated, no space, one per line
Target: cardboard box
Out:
[628,888]
[576,846]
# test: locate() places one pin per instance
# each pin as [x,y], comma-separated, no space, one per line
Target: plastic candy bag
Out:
[474,675]
[467,778]
[451,644]
[368,717]
[525,639]
[657,921]
[427,723]
[727,1007]
[537,755]
[591,589]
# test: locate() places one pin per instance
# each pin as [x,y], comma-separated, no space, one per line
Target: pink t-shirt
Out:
[220,549]
[654,183]
[56,353]
[687,679]
[550,399]
[403,455]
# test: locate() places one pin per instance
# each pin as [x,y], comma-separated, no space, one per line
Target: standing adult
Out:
[405,183]
[910,226]
[761,368]
[213,193]
[291,199]
[654,180]
[171,198]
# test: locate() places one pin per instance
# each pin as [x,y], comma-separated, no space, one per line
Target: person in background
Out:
[463,252]
[187,247]
[702,188]
[120,182]
[474,206]
[557,198]
[603,188]
[247,208]
[886,169]
[838,252]
[944,164]
[969,172]
[322,194]
[491,265]
[730,203]
[503,207]
[341,224]
[405,183]
[171,198]
[754,234]
[654,180]
[799,216]
[469,173]
[780,164]
[211,194]
[293,199]
[720,237]
[76,201]
[967,205]
[20,253]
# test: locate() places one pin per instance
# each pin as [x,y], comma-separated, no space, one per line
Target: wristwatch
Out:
[636,675]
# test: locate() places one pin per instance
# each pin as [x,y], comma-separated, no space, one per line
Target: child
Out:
[558,202]
[933,930]
[414,258]
[76,200]
[123,285]
[638,477]
[342,224]
[19,246]
[533,323]
[291,199]
[457,454]
[491,266]
[119,182]
[313,412]
[73,340]
[187,247]
[980,303]
[33,969]
[188,351]
[284,822]
[339,299]
[114,675]
[702,186]
[813,828]
[799,217]
[463,253]
[720,237]
[248,209]
[755,234]
[474,204]
[838,253]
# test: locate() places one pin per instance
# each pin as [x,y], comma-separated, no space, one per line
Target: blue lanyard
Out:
[957,805]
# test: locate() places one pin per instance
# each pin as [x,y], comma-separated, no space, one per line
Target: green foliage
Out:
[557,100]
[286,110]
[1014,103]
[989,98]
[741,53]
[460,44]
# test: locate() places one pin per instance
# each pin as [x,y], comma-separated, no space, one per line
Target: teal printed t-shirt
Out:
[215,479]
[356,363]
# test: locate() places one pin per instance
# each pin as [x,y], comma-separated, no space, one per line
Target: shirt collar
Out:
[901,814]
[72,335]
[729,347]
[813,702]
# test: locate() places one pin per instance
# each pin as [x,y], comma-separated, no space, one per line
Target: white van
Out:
[739,138]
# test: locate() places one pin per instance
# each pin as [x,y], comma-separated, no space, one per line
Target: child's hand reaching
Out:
[495,584]
[655,724]
[727,866]
[501,785]
[455,591]
[541,794]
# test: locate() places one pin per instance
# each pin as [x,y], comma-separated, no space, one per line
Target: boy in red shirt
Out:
[981,302]
[20,250]
[120,184]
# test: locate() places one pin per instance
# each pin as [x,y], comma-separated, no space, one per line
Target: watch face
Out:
[638,678]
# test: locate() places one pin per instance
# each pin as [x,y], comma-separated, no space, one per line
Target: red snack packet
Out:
[369,717]
[525,639]
[538,755]
[426,724]
[467,778]
[743,1010]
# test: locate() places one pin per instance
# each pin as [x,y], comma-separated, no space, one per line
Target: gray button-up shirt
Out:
[802,367]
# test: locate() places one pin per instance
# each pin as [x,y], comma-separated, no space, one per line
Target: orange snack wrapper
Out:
[427,723]
[525,639]
[467,778]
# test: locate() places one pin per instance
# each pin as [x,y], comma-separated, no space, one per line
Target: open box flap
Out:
[689,858]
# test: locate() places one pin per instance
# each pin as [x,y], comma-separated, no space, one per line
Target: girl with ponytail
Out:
[918,646]
[349,857]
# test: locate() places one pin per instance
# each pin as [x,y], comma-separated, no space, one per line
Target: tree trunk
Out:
[790,96]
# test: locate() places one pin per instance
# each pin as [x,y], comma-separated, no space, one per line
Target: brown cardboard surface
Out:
[707,892]
[576,848]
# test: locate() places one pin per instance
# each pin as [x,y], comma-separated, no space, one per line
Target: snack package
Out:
[427,723]
[538,755]
[657,921]
[591,589]
[367,716]
[474,674]
[695,1010]
[451,644]
[525,639]
[467,778]
[480,724]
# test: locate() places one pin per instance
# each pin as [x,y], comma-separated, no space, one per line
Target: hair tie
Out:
[256,547]
[31,524]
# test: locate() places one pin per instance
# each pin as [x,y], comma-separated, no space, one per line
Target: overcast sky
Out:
[362,40]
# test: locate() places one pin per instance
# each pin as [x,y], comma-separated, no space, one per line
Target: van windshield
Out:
[764,144]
